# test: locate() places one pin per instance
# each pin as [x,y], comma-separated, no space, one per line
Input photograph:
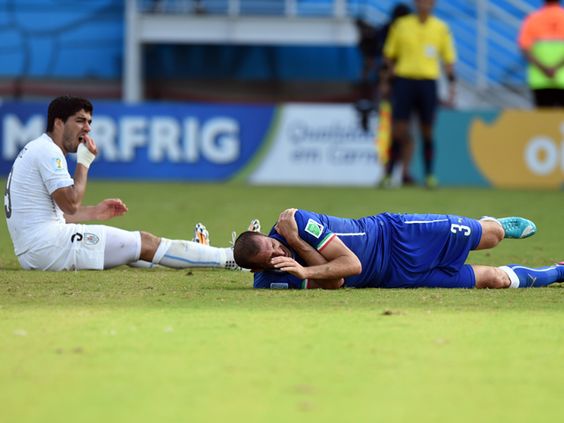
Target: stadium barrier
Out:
[297,144]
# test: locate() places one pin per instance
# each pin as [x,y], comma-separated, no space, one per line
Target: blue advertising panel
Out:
[164,141]
[297,144]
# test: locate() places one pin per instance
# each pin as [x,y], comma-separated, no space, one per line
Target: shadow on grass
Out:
[218,289]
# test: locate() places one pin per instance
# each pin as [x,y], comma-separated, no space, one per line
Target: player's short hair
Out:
[65,106]
[246,248]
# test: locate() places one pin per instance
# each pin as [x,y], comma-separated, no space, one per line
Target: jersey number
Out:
[7,199]
[455,228]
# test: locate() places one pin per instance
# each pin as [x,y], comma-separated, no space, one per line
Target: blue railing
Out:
[485,31]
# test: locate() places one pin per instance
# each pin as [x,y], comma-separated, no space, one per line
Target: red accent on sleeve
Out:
[331,238]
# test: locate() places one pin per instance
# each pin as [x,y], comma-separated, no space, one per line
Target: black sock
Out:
[394,156]
[428,155]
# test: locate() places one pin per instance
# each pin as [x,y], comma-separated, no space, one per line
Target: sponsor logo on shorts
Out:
[91,239]
[278,285]
[314,228]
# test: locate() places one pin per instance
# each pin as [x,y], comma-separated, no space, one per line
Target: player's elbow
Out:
[327,284]
[69,208]
[67,199]
[356,266]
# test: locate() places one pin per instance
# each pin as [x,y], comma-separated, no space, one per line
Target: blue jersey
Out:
[395,250]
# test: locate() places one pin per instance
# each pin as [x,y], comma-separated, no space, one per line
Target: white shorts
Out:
[79,246]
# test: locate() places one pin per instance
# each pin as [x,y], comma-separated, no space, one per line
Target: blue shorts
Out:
[429,250]
[414,95]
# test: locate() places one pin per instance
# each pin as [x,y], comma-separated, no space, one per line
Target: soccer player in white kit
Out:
[43,207]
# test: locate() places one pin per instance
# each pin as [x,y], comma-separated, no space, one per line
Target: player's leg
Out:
[181,254]
[436,278]
[422,243]
[201,235]
[469,276]
[393,159]
[513,227]
[516,276]
[121,247]
[405,142]
[402,106]
[492,233]
[428,155]
[137,248]
[490,277]
[427,103]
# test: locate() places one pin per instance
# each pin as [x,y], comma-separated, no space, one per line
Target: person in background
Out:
[414,50]
[371,41]
[542,41]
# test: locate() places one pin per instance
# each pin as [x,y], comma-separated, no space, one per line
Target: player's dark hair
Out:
[246,248]
[65,106]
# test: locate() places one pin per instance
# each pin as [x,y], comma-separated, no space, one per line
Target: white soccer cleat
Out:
[254,226]
[201,234]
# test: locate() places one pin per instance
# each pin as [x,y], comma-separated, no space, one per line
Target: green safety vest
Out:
[549,52]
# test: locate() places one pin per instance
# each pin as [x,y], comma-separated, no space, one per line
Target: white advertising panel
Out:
[319,144]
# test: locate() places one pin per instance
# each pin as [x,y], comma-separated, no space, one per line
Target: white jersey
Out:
[33,218]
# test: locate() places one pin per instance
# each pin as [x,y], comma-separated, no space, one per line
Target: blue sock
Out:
[528,277]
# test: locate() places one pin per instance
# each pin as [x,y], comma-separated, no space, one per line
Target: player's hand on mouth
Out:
[89,143]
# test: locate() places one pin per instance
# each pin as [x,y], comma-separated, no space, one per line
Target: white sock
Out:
[490,219]
[142,264]
[512,276]
[180,254]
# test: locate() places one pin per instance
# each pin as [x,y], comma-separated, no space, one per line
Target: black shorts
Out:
[549,97]
[414,95]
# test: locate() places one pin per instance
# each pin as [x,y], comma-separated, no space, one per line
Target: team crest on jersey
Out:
[314,228]
[91,239]
[58,164]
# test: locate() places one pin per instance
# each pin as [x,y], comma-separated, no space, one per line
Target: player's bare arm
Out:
[336,256]
[340,263]
[105,210]
[69,199]
[288,228]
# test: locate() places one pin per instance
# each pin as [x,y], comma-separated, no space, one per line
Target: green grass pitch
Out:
[134,345]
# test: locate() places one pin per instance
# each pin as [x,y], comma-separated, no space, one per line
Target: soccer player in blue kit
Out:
[310,250]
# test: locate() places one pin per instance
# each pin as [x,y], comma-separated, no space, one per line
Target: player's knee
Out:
[494,278]
[492,234]
[497,233]
[149,245]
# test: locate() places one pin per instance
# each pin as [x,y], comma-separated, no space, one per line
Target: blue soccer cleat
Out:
[517,227]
